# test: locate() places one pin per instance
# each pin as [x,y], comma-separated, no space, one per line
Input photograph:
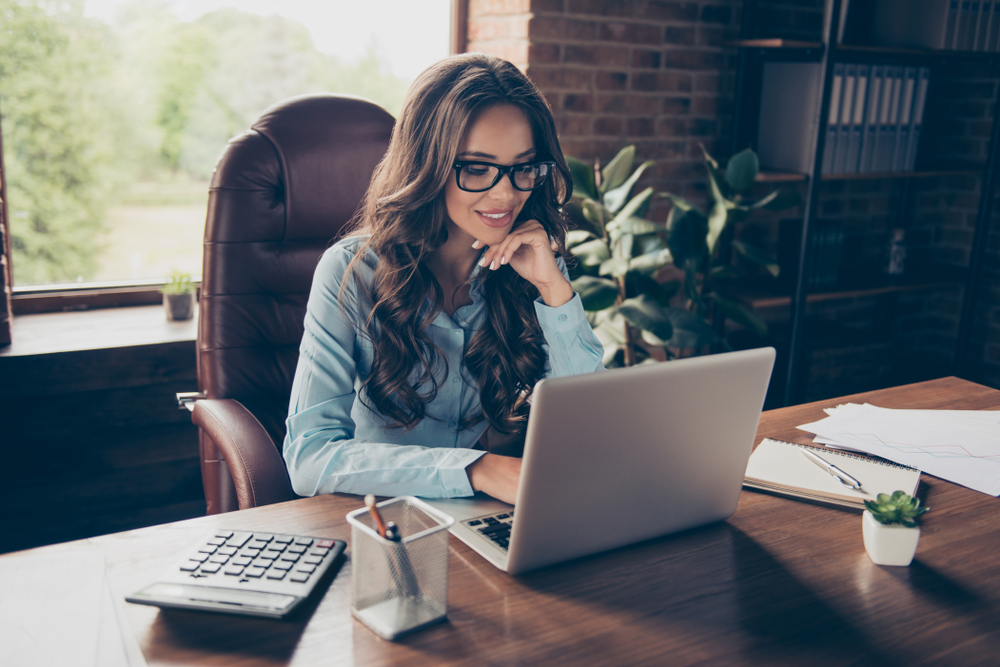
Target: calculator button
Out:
[276,574]
[283,539]
[282,566]
[299,578]
[297,549]
[267,555]
[325,544]
[255,572]
[303,541]
[227,551]
[208,549]
[275,549]
[306,568]
[242,561]
[321,553]
[262,537]
[221,560]
[217,541]
[313,560]
[190,566]
[201,558]
[211,568]
[290,558]
[234,570]
[226,534]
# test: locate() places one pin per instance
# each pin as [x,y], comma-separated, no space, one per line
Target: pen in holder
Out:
[400,581]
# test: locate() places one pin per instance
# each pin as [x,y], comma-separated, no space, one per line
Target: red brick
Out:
[562,29]
[643,105]
[543,53]
[559,78]
[513,50]
[588,149]
[617,8]
[646,59]
[608,125]
[491,28]
[712,36]
[630,33]
[582,103]
[679,35]
[668,10]
[676,106]
[493,7]
[692,60]
[605,56]
[573,125]
[661,82]
[611,80]
[641,127]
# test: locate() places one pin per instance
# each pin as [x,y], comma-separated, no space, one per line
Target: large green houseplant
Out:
[620,254]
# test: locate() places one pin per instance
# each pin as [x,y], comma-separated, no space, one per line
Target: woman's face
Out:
[501,135]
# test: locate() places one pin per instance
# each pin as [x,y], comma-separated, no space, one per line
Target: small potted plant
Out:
[178,296]
[891,528]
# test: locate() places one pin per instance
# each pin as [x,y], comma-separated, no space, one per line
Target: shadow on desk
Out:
[711,594]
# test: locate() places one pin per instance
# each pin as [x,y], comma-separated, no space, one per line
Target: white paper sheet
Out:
[962,446]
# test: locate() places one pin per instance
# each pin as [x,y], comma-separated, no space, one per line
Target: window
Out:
[115,111]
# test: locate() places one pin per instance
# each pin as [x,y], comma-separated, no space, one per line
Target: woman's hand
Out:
[528,251]
[495,475]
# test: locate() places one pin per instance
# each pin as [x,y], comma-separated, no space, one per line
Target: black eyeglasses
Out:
[482,176]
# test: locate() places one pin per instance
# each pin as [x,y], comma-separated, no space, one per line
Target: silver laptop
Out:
[623,456]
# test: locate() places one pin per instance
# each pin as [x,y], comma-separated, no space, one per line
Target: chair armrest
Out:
[257,469]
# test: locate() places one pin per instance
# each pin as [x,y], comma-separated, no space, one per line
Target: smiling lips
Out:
[496,218]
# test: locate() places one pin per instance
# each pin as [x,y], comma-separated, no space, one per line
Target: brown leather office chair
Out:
[280,194]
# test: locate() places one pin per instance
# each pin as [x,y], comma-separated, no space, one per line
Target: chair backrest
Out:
[280,194]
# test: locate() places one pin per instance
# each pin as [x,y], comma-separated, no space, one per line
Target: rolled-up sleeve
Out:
[570,344]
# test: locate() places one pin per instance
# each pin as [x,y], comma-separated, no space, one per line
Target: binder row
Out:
[872,125]
[875,116]
[973,25]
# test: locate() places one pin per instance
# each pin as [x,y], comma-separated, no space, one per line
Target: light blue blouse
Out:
[336,444]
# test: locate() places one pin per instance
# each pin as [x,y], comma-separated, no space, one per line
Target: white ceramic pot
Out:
[889,544]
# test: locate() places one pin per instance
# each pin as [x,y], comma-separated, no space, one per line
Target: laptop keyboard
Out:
[496,527]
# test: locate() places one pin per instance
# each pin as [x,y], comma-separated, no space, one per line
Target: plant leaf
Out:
[592,253]
[583,178]
[637,283]
[646,314]
[636,207]
[616,171]
[740,314]
[651,262]
[637,226]
[718,216]
[679,202]
[689,329]
[615,198]
[785,199]
[757,256]
[616,266]
[578,236]
[596,293]
[742,170]
[596,214]
[687,237]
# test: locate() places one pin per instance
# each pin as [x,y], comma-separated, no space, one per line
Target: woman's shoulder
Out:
[338,257]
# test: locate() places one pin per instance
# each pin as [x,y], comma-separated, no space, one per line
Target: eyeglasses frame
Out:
[502,170]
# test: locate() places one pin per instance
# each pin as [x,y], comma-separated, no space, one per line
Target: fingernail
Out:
[503,260]
[476,244]
[493,265]
[482,262]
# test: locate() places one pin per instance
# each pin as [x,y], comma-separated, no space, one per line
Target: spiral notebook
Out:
[779,467]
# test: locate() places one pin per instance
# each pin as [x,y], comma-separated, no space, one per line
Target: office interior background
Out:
[95,442]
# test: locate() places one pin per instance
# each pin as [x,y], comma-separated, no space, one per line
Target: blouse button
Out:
[562,318]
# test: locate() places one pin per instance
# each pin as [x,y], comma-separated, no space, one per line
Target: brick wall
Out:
[657,74]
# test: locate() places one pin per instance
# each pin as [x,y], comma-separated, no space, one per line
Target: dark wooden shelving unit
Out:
[753,50]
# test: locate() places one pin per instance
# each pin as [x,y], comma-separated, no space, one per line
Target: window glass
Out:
[115,111]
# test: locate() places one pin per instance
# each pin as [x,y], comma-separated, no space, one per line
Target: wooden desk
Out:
[782,582]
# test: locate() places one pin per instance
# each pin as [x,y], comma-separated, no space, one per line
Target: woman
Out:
[434,319]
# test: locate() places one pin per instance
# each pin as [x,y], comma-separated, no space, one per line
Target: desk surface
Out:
[783,582]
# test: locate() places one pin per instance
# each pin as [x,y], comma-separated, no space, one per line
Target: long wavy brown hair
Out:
[403,215]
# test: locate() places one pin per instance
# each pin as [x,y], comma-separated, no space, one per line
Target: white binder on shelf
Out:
[846,118]
[916,120]
[857,120]
[869,130]
[905,114]
[833,119]
[982,24]
[892,83]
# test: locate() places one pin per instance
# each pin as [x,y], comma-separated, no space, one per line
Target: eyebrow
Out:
[494,157]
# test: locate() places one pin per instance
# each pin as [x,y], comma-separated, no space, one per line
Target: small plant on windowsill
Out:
[179,296]
[891,528]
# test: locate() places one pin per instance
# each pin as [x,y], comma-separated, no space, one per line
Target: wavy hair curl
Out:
[404,214]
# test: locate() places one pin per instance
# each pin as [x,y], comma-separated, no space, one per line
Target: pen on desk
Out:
[836,472]
[376,517]
[408,578]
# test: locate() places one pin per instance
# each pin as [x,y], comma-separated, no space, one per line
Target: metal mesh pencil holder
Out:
[400,587]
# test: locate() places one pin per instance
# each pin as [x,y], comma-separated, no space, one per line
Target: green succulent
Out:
[898,508]
[179,283]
